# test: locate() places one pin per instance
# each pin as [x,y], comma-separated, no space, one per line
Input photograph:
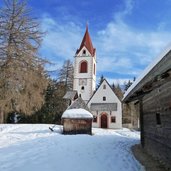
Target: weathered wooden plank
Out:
[77,126]
[162,152]
[157,138]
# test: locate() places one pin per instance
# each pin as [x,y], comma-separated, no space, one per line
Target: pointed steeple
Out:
[87,43]
[86,26]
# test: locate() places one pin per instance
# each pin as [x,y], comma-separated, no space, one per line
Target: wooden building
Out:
[152,93]
[77,121]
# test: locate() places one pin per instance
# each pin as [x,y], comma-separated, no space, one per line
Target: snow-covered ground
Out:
[33,147]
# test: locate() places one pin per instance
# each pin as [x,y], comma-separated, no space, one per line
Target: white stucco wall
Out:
[110,98]
[90,87]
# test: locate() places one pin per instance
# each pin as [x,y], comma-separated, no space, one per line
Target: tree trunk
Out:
[1,117]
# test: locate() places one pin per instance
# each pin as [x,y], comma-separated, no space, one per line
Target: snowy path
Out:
[34,147]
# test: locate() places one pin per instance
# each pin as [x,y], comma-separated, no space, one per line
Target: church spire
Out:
[86,26]
[87,43]
[85,68]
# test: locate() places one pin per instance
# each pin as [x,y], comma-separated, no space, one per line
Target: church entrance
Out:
[103,121]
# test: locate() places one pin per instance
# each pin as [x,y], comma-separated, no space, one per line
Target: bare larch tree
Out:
[22,76]
[66,74]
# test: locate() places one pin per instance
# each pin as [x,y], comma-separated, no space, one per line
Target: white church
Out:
[103,103]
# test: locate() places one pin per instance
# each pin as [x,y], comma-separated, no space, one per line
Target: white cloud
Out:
[128,9]
[117,81]
[61,40]
[122,48]
[113,64]
[53,66]
[120,37]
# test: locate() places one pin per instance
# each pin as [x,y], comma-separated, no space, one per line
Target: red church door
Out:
[103,121]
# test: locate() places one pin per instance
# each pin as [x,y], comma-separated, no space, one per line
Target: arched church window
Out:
[83,67]
[82,88]
[84,52]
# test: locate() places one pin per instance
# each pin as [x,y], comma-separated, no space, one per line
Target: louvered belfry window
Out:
[83,67]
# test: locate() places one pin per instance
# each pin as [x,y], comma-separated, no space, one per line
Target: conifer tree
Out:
[54,105]
[118,91]
[100,81]
[113,86]
[127,85]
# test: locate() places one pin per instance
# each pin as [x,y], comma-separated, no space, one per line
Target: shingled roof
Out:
[159,66]
[87,43]
[78,103]
[72,95]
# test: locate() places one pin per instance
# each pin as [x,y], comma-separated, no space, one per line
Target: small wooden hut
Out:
[152,92]
[77,121]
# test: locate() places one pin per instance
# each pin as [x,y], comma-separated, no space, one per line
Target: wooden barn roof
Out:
[78,103]
[71,95]
[152,76]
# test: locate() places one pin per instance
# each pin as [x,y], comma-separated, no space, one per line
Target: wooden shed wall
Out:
[157,137]
[77,126]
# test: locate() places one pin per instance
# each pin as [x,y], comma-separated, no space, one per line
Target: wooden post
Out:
[141,122]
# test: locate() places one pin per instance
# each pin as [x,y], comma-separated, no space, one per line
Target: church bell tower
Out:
[85,68]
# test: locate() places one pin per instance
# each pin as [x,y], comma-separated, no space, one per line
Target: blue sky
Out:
[127,34]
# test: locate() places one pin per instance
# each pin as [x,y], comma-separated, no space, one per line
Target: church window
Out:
[104,86]
[104,98]
[94,118]
[82,88]
[113,119]
[84,52]
[83,67]
[158,119]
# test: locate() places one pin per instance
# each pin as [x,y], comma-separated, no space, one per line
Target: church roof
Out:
[87,43]
[98,90]
[159,66]
[71,95]
[78,103]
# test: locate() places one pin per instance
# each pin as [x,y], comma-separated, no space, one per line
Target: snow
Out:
[77,113]
[27,147]
[147,70]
